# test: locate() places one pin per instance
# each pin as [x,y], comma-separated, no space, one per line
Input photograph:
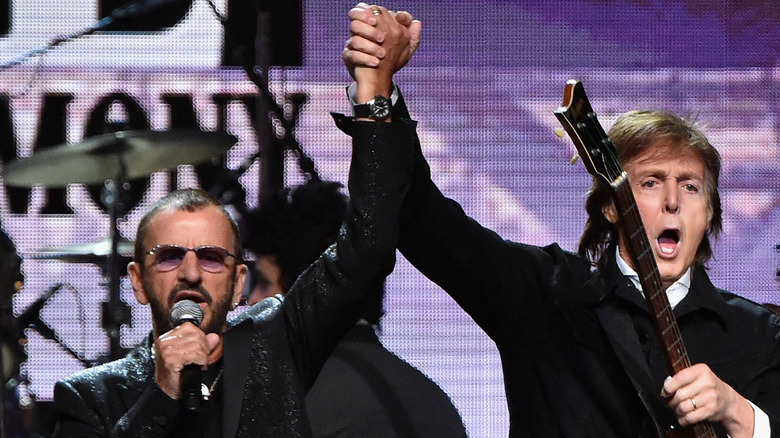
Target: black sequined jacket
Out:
[274,351]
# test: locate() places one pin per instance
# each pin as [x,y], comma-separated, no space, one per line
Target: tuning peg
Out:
[559,132]
[574,158]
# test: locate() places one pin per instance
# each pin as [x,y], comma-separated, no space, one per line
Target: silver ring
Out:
[376,11]
[693,402]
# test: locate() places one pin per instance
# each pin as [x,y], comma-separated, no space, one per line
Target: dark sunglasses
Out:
[169,257]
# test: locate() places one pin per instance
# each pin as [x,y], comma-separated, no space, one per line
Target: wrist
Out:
[740,419]
[368,89]
[165,384]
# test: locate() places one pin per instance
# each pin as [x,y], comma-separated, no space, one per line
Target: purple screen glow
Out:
[483,86]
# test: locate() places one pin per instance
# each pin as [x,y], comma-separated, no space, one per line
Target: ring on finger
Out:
[376,11]
[693,402]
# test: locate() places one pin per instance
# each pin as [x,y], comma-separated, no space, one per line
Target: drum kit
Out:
[112,159]
[108,160]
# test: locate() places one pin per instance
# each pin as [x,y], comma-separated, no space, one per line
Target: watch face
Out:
[380,107]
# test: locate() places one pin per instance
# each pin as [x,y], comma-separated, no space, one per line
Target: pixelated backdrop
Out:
[483,86]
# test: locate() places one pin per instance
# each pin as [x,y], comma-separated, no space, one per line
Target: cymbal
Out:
[93,252]
[97,159]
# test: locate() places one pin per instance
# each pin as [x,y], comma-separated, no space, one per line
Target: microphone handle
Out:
[190,387]
[190,378]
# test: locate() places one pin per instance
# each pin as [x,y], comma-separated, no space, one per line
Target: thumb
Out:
[404,18]
[213,340]
[415,31]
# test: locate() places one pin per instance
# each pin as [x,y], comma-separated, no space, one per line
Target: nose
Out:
[189,270]
[672,204]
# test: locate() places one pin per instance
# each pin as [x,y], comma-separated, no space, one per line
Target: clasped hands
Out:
[381,42]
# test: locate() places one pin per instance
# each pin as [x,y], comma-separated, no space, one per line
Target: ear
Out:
[238,284]
[134,272]
[610,213]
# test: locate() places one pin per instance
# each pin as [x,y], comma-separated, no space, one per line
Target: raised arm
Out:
[327,298]
[467,260]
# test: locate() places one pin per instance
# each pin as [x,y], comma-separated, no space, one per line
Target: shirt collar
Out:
[675,293]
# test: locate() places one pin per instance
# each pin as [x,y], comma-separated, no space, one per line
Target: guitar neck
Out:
[650,279]
[655,296]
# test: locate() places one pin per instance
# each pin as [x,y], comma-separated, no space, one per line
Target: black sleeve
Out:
[326,300]
[497,282]
[152,415]
[87,414]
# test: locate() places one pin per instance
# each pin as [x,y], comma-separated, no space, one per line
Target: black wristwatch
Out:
[377,108]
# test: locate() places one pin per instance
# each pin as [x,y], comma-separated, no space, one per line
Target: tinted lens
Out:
[169,257]
[211,258]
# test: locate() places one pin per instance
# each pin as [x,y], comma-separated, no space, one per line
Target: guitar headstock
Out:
[593,145]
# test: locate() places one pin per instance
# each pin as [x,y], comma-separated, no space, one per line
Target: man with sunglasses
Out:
[256,368]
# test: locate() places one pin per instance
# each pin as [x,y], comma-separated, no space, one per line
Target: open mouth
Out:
[668,240]
[190,295]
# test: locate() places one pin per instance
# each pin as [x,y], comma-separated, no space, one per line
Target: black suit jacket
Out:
[274,351]
[365,390]
[577,348]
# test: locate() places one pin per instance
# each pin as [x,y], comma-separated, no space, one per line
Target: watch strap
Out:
[378,108]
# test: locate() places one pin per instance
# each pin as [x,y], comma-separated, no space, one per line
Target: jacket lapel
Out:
[621,333]
[237,344]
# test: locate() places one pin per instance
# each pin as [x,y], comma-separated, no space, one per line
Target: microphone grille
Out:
[186,311]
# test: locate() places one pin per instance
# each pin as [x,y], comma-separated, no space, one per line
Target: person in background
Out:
[577,343]
[363,389]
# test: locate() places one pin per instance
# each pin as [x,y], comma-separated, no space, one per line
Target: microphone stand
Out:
[128,11]
[272,158]
[115,311]
[272,152]
[44,330]
[31,318]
